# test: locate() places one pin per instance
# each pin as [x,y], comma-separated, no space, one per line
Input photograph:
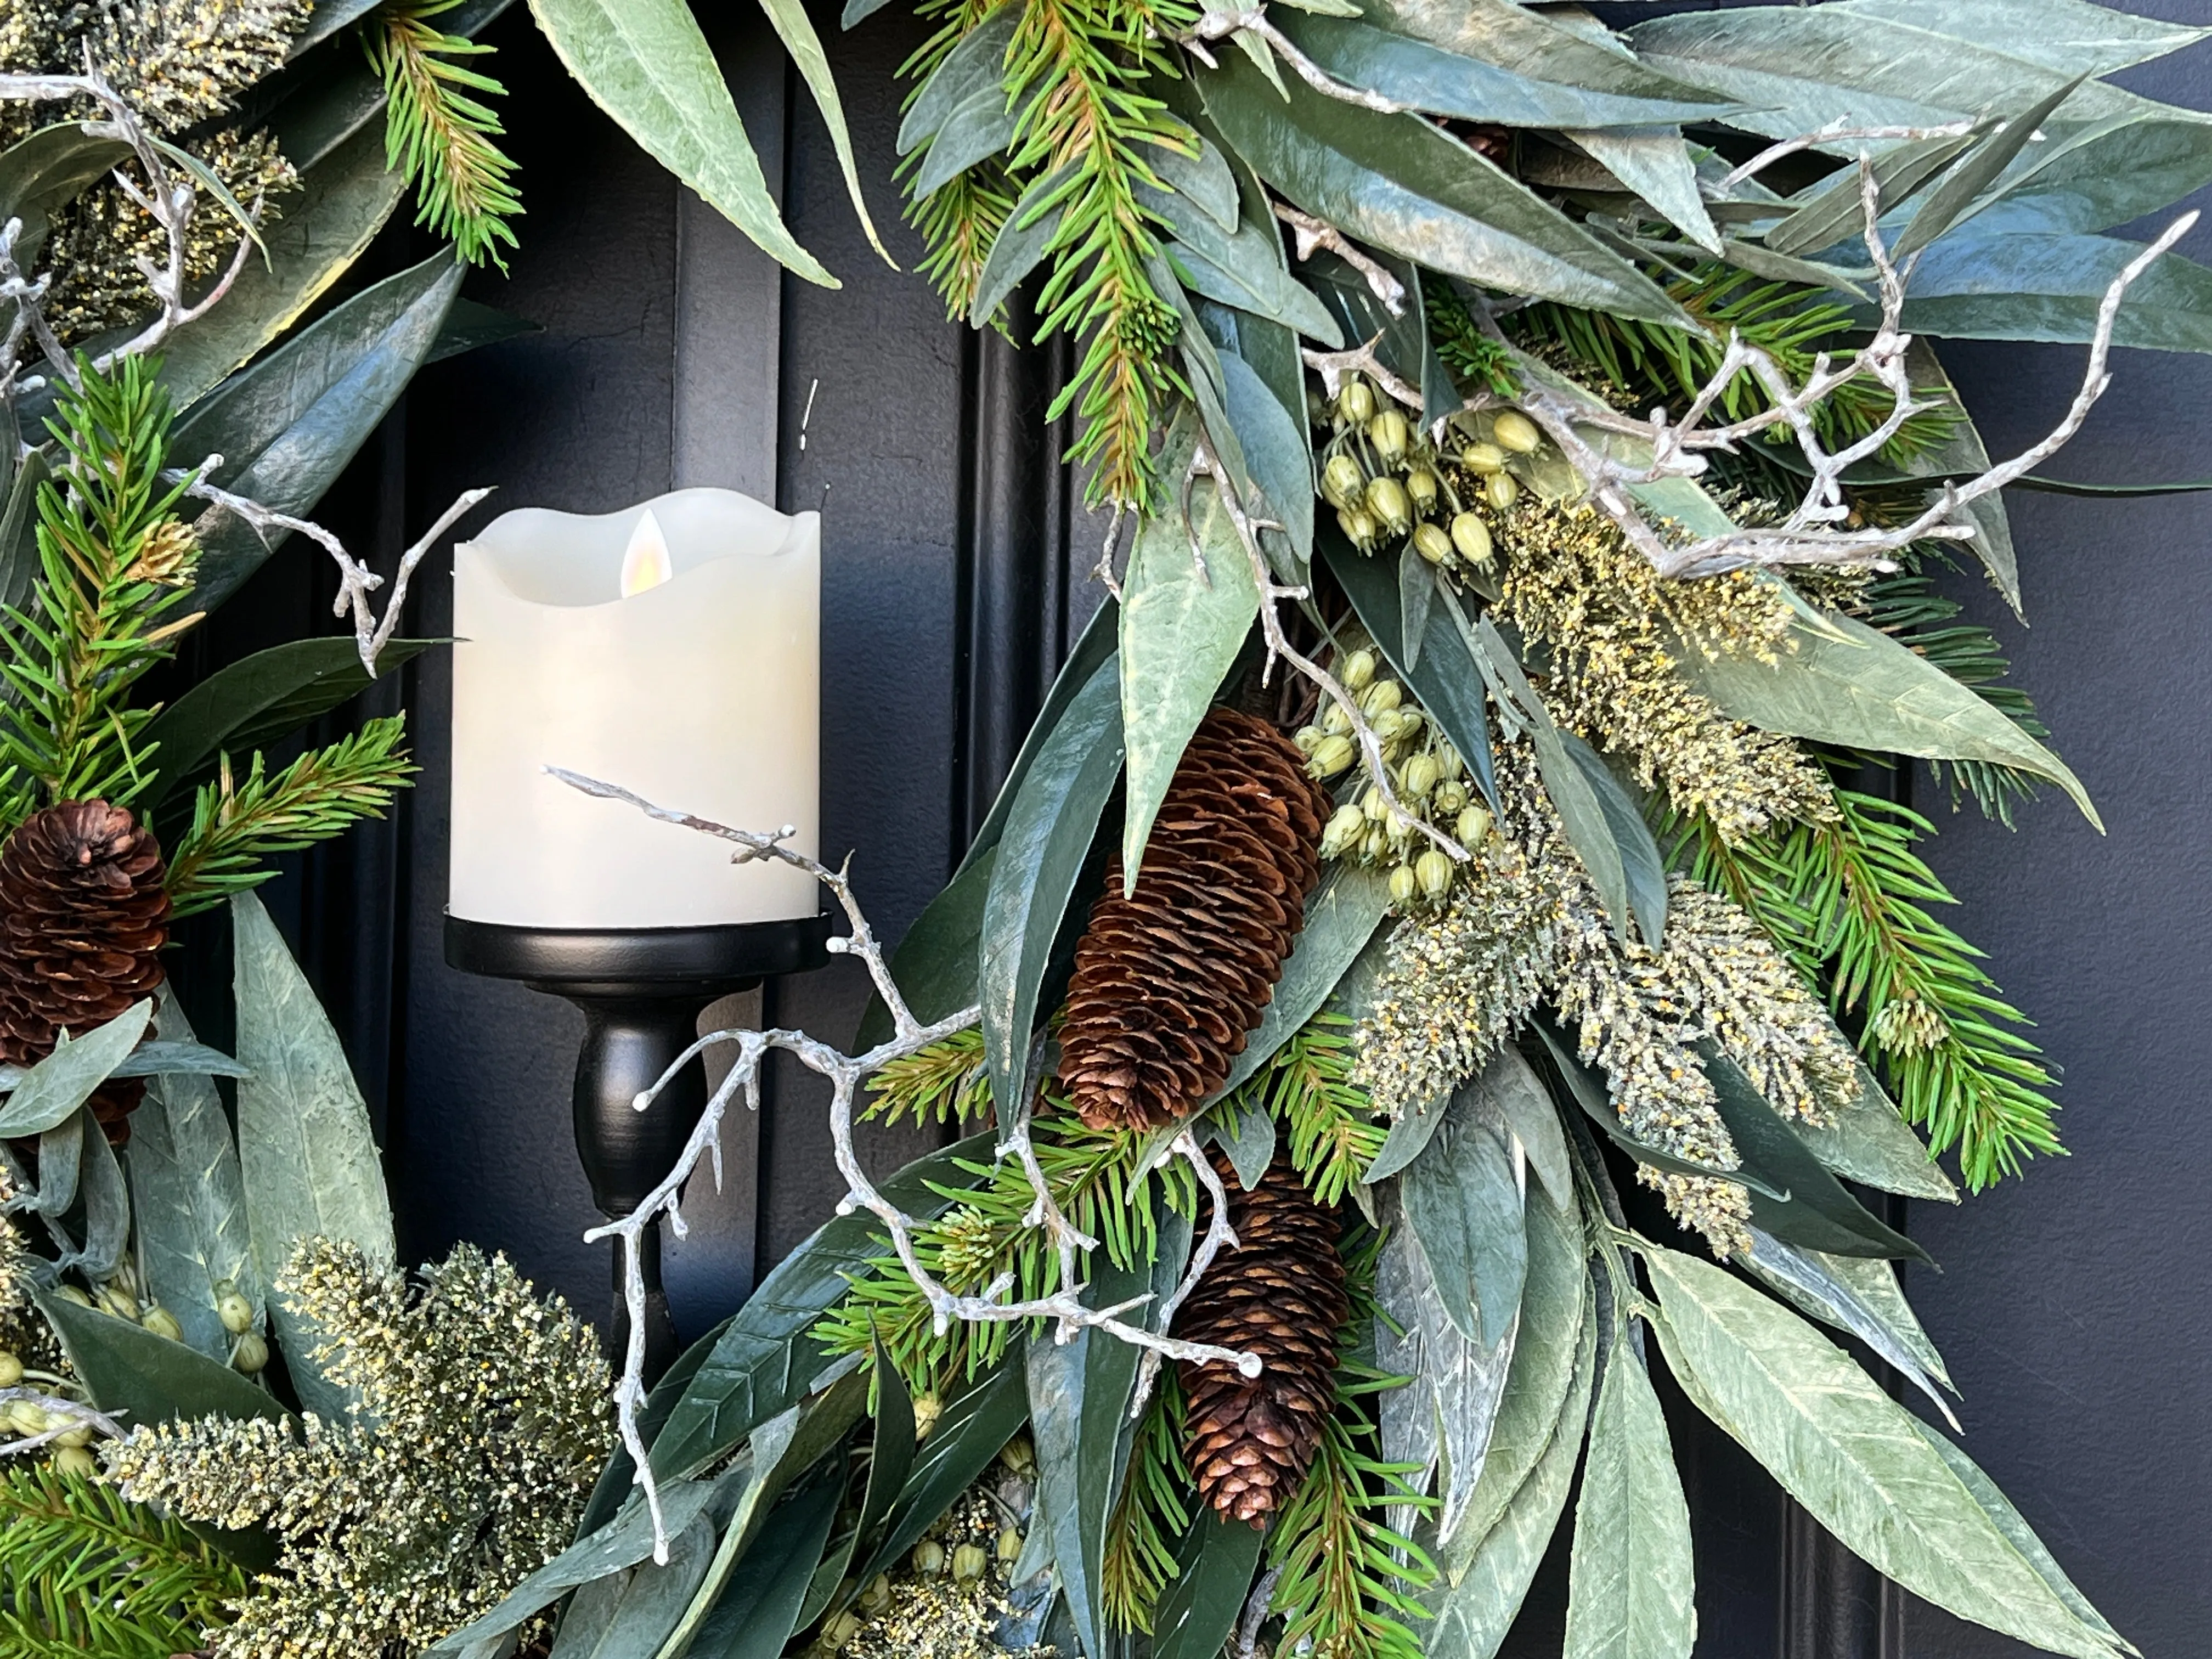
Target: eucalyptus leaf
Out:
[759,1606]
[1398,329]
[763,1362]
[106,1206]
[1464,1207]
[191,1206]
[471,325]
[1475,1613]
[1405,186]
[1868,1142]
[258,701]
[617,1479]
[1549,1360]
[979,127]
[42,174]
[1835,209]
[1655,163]
[1631,1579]
[54,1088]
[1042,855]
[623,1543]
[1341,916]
[1279,456]
[129,1372]
[1203,179]
[628,1614]
[976,1424]
[1248,1136]
[1248,274]
[1444,678]
[1809,1282]
[307,1161]
[61,1161]
[1408,1138]
[1955,195]
[343,202]
[1187,602]
[1816,1211]
[1644,869]
[1853,1456]
[1019,248]
[976,63]
[1525,1106]
[1984,283]
[1859,688]
[287,427]
[796,30]
[1198,1611]
[646,65]
[1417,586]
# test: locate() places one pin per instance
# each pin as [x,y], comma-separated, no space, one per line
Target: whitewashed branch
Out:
[1840,131]
[64,1416]
[845,1074]
[1310,232]
[1218,24]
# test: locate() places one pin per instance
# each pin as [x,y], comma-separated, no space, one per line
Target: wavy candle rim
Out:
[513,550]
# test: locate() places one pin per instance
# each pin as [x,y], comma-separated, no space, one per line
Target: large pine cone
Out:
[83,915]
[1169,982]
[1279,1294]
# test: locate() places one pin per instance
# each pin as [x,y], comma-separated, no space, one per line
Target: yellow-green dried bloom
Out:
[480,1423]
[181,62]
[1613,628]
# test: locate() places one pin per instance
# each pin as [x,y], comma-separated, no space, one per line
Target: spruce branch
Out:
[84,1570]
[1308,1086]
[439,136]
[1138,1559]
[237,825]
[845,1074]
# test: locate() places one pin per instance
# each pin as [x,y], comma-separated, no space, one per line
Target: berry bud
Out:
[1472,536]
[878,1596]
[235,1312]
[1305,737]
[11,1369]
[29,1417]
[1434,871]
[1483,458]
[163,1322]
[840,1631]
[70,1293]
[1357,674]
[1387,432]
[79,1436]
[1346,826]
[1448,761]
[114,1299]
[1342,480]
[1422,774]
[967,1562]
[1376,845]
[1501,489]
[1404,883]
[1383,694]
[1473,824]
[1386,500]
[1336,752]
[1421,485]
[1372,806]
[1355,401]
[1358,526]
[1010,1545]
[1516,432]
[76,1460]
[929,1557]
[1451,795]
[1432,544]
[251,1354]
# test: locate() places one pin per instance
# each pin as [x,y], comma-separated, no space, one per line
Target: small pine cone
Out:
[1169,982]
[1280,1295]
[83,915]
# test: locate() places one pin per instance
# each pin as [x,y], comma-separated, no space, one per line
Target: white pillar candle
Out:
[672,648]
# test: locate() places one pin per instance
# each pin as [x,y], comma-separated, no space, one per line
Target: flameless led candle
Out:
[672,648]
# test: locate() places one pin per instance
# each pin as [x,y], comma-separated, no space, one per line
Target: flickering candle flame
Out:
[646,564]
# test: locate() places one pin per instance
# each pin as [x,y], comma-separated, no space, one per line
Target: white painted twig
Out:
[1220,24]
[65,1415]
[1310,232]
[845,1073]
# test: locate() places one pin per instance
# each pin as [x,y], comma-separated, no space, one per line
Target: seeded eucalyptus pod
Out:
[1279,1294]
[84,916]
[1169,979]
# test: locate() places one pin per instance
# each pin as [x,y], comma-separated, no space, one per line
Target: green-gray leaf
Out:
[760,1605]
[646,64]
[1644,869]
[1342,916]
[127,1369]
[628,1614]
[796,32]
[1465,1207]
[1868,1142]
[1040,858]
[47,171]
[1019,248]
[1409,187]
[307,1161]
[1852,1455]
[2024,286]
[1631,1580]
[191,1204]
[1858,687]
[1525,1105]
[1277,455]
[977,62]
[1813,1283]
[65,1079]
[1182,625]
[1214,1567]
[979,127]
[1473,1616]
[976,1422]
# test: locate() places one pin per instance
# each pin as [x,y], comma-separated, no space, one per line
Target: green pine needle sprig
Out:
[988,1233]
[1151,1514]
[439,134]
[85,1570]
[944,1083]
[1307,1086]
[237,825]
[1849,901]
[115,565]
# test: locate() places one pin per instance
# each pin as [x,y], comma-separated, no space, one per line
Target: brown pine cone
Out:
[1169,982]
[1279,1294]
[83,915]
